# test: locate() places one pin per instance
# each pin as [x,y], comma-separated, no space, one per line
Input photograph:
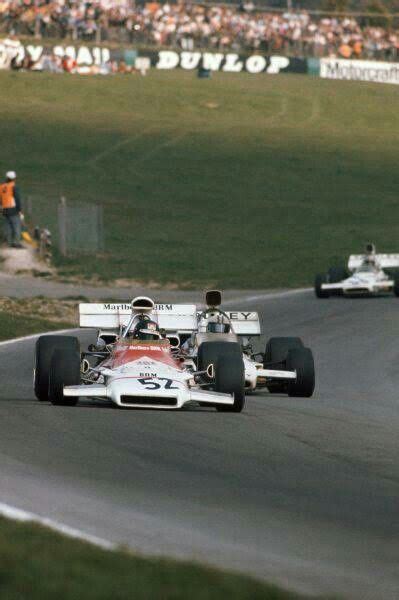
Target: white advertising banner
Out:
[359,70]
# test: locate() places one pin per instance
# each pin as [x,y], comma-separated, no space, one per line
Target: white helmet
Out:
[11,175]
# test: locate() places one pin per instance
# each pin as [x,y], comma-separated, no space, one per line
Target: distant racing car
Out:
[366,274]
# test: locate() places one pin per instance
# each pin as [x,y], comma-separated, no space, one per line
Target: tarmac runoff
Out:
[302,492]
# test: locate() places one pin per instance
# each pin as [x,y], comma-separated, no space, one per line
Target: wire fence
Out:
[76,228]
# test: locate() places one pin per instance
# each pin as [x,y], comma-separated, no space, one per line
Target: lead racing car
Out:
[367,274]
[135,362]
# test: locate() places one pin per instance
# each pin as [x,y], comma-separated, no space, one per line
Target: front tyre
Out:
[45,347]
[64,370]
[209,352]
[318,290]
[230,379]
[301,361]
[396,285]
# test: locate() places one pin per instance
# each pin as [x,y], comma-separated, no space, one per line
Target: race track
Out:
[302,492]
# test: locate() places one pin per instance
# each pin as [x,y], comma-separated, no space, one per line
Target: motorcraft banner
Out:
[359,70]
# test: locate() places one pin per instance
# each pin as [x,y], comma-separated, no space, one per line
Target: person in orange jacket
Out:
[11,208]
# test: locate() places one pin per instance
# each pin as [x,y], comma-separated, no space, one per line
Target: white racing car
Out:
[367,274]
[286,366]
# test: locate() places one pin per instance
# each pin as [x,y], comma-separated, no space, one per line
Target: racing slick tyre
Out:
[301,361]
[337,274]
[318,282]
[45,346]
[276,352]
[396,284]
[229,379]
[209,352]
[64,370]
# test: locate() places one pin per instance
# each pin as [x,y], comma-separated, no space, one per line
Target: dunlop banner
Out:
[230,62]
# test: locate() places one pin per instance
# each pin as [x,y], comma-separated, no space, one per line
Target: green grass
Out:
[12,326]
[237,181]
[39,564]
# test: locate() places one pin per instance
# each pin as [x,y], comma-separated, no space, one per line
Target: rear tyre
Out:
[318,282]
[45,346]
[276,352]
[277,348]
[64,370]
[301,361]
[229,379]
[337,274]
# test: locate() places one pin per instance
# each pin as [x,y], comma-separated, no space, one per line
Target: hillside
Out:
[237,181]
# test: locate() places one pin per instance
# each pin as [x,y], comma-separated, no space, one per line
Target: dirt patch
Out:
[23,260]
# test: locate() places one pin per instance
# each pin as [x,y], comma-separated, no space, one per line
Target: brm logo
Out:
[230,63]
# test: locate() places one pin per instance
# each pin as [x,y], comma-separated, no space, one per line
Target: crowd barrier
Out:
[86,57]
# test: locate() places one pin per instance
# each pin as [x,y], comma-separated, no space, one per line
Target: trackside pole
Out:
[62,208]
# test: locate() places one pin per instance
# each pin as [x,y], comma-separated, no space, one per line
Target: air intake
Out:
[142,304]
[148,401]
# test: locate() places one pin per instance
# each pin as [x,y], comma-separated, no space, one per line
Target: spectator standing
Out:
[11,208]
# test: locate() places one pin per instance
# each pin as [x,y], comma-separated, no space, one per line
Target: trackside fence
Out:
[76,227]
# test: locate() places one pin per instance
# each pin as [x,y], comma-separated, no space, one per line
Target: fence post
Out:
[100,228]
[62,219]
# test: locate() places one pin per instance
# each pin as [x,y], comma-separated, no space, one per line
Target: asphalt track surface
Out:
[302,492]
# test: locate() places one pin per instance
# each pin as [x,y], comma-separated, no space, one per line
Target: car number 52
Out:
[152,384]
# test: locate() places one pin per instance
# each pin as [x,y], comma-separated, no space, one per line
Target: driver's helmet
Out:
[219,325]
[145,329]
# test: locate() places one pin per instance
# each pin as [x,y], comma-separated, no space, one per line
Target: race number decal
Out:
[151,384]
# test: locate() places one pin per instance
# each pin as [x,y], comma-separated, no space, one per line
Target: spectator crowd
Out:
[196,26]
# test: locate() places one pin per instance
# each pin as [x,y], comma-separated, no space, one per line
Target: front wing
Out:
[358,288]
[125,393]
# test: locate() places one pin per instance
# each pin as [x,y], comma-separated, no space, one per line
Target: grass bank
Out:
[39,564]
[19,323]
[237,181]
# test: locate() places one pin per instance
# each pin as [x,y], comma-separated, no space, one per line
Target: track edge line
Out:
[23,516]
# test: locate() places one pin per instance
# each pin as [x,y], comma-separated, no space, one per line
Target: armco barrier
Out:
[228,62]
[87,56]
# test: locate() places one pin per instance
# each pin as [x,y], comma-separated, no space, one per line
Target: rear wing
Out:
[244,323]
[179,318]
[385,261]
